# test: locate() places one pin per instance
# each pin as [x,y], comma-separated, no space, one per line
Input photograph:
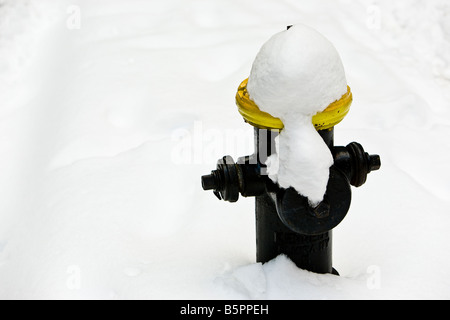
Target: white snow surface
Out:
[296,74]
[112,110]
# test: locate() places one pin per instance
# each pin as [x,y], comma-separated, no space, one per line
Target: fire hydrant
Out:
[286,223]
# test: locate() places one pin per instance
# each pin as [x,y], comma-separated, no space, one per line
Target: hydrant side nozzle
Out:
[212,182]
[355,162]
[231,179]
[224,181]
[374,162]
[209,182]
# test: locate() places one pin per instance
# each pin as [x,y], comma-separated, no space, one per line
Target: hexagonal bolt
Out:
[322,210]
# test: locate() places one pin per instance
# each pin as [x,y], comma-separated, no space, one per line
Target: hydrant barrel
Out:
[273,237]
[312,253]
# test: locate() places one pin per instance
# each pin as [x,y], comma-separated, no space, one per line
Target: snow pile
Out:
[296,74]
[279,279]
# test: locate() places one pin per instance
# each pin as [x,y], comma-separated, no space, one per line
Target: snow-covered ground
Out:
[111,110]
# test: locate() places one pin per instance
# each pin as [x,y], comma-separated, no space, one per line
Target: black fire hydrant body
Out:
[285,221]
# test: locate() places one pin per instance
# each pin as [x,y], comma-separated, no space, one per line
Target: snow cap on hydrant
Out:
[297,85]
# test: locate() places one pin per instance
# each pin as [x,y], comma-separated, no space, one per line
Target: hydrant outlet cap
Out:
[326,119]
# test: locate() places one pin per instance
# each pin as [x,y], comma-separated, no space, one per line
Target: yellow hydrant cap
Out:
[326,119]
